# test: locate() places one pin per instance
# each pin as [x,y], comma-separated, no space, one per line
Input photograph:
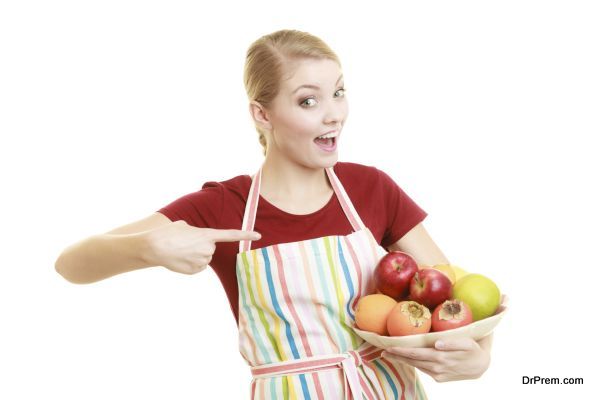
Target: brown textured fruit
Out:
[409,318]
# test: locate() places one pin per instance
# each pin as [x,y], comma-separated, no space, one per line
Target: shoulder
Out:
[217,204]
[359,175]
[236,187]
[230,190]
[353,170]
[213,194]
[368,183]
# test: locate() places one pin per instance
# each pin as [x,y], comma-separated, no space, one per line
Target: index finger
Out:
[233,235]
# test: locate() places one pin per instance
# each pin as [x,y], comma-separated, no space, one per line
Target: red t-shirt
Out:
[383,206]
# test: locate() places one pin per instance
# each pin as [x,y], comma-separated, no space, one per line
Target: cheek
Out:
[345,111]
[304,128]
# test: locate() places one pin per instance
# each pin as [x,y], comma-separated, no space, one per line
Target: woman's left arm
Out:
[420,246]
[453,359]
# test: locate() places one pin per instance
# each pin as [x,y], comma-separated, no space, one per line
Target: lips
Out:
[329,145]
[334,131]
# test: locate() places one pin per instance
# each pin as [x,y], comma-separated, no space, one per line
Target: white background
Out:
[483,112]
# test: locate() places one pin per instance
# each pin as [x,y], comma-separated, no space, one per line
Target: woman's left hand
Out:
[450,360]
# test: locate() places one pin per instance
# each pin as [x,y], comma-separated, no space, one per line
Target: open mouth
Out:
[327,142]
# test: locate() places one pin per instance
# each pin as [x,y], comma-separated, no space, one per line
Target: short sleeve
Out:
[201,209]
[403,213]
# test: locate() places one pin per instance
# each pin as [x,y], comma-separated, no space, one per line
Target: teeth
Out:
[327,136]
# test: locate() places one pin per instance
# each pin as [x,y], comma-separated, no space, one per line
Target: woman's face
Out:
[310,104]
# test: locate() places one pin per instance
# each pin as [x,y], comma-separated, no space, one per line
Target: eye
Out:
[305,102]
[341,92]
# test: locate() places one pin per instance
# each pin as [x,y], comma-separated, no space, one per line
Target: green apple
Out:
[480,293]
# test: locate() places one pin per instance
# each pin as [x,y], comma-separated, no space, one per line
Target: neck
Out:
[284,179]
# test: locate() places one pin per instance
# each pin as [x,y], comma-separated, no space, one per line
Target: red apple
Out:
[451,314]
[393,274]
[430,287]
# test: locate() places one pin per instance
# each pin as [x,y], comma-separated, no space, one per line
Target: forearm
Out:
[421,247]
[101,256]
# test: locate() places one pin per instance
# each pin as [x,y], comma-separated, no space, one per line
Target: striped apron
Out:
[296,312]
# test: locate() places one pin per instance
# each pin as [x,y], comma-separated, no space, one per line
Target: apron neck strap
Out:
[254,194]
[251,207]
[345,202]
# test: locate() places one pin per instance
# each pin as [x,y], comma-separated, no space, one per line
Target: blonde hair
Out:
[266,61]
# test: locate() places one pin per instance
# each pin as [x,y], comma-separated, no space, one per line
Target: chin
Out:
[327,162]
[332,163]
[315,161]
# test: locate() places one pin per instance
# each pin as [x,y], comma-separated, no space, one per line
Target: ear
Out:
[259,115]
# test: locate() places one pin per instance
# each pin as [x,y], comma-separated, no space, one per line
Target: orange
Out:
[372,312]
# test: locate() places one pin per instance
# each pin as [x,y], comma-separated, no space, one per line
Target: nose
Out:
[336,112]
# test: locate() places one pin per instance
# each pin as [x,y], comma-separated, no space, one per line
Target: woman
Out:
[293,286]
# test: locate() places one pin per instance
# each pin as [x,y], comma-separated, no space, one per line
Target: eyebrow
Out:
[314,86]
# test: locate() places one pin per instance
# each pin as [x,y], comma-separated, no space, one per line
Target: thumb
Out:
[233,235]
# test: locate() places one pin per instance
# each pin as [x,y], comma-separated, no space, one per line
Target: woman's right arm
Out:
[101,256]
[152,241]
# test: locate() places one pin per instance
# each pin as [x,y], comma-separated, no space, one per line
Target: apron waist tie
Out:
[347,361]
